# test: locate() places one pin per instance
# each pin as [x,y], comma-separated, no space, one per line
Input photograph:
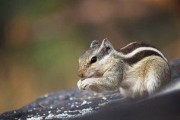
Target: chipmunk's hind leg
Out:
[158,75]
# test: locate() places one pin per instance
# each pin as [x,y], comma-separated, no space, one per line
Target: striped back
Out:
[136,51]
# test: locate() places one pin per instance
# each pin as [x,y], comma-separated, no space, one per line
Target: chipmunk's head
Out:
[94,62]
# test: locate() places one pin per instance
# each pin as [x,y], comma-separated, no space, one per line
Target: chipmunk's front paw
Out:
[88,84]
[84,84]
[79,84]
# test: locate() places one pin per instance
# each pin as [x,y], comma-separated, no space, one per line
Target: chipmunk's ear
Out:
[106,44]
[94,44]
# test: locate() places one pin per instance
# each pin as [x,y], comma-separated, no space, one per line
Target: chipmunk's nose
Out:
[80,74]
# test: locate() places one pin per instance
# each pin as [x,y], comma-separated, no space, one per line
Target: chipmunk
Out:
[137,69]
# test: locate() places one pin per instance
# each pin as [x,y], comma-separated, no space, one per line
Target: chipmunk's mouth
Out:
[90,76]
[94,75]
[85,77]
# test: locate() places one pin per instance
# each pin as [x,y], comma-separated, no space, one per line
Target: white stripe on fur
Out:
[138,50]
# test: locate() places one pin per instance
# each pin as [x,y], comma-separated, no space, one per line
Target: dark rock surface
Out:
[75,104]
[66,104]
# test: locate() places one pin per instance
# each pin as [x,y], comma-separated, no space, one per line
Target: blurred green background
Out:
[41,40]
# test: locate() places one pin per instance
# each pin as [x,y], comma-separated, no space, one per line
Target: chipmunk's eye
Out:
[93,59]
